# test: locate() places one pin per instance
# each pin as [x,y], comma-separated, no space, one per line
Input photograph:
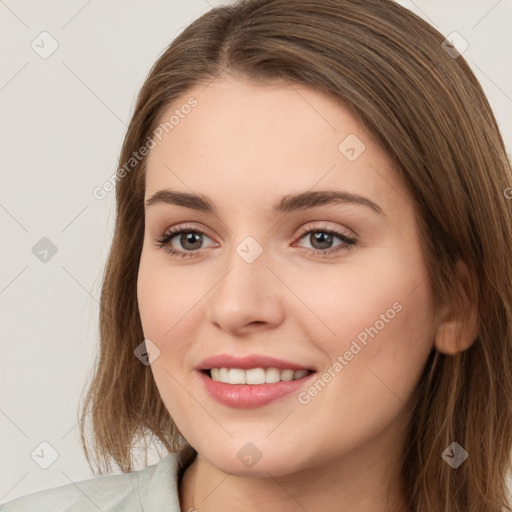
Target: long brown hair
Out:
[428,111]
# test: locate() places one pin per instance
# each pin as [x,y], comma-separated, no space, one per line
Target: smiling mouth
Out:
[254,376]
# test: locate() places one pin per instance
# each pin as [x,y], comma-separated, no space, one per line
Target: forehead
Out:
[256,141]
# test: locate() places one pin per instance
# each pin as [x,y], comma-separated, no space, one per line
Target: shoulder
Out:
[147,490]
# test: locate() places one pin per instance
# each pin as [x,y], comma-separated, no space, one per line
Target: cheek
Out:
[379,312]
[166,298]
[166,306]
[171,311]
[380,325]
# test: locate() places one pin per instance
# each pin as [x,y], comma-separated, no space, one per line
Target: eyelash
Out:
[164,239]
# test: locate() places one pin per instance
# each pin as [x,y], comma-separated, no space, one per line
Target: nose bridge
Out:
[244,250]
[246,269]
[246,292]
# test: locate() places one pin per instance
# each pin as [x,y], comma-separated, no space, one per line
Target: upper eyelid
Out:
[174,230]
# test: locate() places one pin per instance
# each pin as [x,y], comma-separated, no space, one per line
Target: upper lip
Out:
[247,362]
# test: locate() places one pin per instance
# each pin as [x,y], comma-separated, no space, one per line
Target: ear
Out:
[457,330]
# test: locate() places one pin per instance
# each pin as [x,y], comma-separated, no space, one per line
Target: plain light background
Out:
[62,125]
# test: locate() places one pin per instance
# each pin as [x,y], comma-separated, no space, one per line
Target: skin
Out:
[244,146]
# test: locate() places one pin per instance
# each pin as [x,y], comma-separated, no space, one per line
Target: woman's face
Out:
[338,287]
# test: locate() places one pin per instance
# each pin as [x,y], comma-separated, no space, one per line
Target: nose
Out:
[248,296]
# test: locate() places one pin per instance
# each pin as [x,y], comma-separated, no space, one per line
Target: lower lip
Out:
[245,396]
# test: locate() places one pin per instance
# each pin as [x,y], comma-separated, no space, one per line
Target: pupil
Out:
[325,238]
[193,238]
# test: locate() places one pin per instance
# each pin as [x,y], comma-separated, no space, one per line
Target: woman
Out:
[339,334]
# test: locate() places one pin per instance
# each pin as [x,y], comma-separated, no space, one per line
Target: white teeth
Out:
[272,375]
[299,374]
[236,376]
[223,375]
[287,375]
[255,375]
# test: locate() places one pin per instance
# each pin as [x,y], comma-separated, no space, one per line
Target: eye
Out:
[322,239]
[189,239]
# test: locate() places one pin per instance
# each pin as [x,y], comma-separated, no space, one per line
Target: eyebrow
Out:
[286,204]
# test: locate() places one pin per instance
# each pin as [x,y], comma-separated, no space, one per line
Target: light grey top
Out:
[152,489]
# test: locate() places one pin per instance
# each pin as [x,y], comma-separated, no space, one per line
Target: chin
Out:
[244,459]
